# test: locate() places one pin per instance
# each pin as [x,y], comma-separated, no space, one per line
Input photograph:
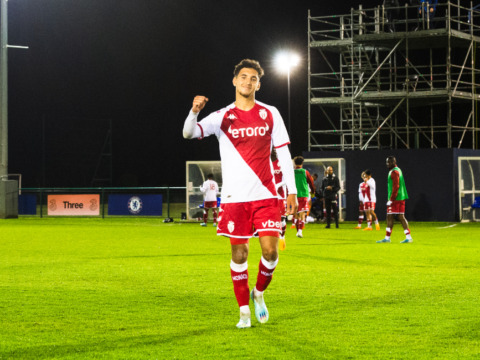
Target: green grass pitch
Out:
[136,288]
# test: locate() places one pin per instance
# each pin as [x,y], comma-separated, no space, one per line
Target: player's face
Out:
[330,171]
[391,163]
[247,82]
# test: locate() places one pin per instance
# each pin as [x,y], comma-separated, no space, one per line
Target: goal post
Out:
[197,172]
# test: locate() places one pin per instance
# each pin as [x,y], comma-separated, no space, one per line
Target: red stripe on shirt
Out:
[201,129]
[278,147]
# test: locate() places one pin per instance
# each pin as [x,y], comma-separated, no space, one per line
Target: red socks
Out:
[239,274]
[265,273]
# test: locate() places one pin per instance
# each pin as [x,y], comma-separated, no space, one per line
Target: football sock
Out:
[360,220]
[284,227]
[205,216]
[214,216]
[239,274]
[376,221]
[301,224]
[407,234]
[265,273]
[388,233]
[369,223]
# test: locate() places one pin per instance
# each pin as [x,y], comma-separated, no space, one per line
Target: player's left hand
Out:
[292,204]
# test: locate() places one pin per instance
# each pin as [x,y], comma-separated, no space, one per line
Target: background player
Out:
[397,194]
[361,210]
[246,131]
[369,200]
[210,190]
[303,181]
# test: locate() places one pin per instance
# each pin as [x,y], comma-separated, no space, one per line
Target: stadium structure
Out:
[402,81]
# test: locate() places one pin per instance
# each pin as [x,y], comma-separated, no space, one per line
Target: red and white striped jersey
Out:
[278,176]
[369,192]
[246,139]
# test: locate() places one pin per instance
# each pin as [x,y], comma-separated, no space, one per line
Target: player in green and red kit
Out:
[397,194]
[303,180]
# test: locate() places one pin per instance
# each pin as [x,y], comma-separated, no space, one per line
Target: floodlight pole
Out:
[4,92]
[8,188]
[4,89]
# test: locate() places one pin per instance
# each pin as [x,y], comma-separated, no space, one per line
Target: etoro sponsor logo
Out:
[249,131]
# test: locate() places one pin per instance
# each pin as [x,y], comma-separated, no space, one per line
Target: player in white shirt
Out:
[246,131]
[210,190]
[361,209]
[369,201]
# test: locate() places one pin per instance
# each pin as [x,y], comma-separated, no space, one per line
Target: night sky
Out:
[138,64]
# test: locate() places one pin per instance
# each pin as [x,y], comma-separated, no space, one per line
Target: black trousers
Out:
[329,206]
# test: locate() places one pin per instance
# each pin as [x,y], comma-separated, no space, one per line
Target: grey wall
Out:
[431,177]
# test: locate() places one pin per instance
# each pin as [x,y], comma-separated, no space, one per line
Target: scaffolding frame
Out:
[397,77]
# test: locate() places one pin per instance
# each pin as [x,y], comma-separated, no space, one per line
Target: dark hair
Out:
[391,158]
[368,172]
[210,176]
[298,160]
[251,64]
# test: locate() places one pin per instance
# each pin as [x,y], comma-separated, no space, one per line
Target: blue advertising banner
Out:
[27,204]
[125,204]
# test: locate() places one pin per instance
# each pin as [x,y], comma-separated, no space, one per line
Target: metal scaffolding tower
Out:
[403,77]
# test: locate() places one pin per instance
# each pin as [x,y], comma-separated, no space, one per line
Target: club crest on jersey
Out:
[231,226]
[263,113]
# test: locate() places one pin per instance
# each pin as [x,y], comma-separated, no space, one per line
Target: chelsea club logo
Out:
[134,205]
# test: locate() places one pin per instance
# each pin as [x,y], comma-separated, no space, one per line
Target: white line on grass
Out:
[446,227]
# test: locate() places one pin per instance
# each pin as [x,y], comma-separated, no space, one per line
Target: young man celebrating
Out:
[246,131]
[210,190]
[397,194]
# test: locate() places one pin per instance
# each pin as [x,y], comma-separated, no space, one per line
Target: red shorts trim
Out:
[243,220]
[302,204]
[210,204]
[397,207]
[268,233]
[369,205]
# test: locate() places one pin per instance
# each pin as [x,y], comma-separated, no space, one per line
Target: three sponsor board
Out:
[90,205]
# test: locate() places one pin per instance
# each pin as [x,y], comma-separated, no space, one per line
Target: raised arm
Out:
[190,128]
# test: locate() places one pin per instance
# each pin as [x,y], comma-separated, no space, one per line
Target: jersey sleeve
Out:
[210,125]
[310,181]
[360,193]
[279,133]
